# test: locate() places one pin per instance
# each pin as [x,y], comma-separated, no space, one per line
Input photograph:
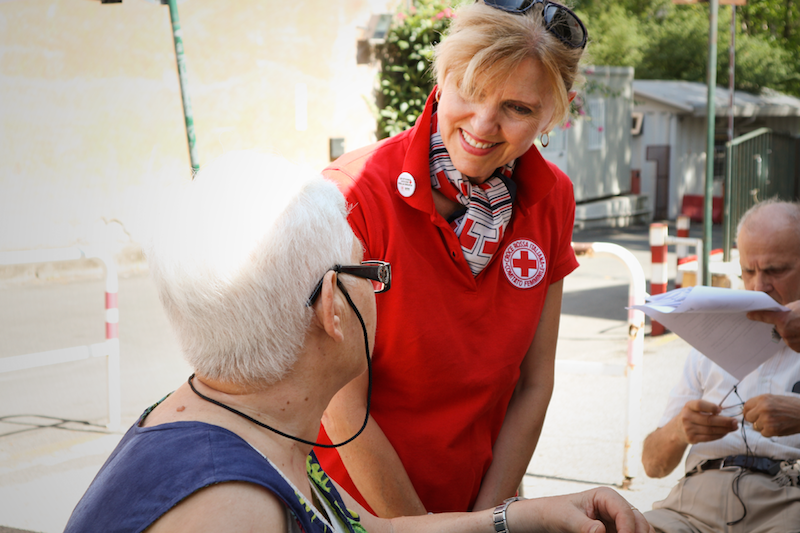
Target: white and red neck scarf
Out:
[480,226]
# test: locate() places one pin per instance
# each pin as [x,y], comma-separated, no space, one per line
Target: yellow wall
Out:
[91,124]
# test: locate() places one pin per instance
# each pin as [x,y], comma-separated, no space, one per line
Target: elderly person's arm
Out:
[232,506]
[371,460]
[526,411]
[787,323]
[698,421]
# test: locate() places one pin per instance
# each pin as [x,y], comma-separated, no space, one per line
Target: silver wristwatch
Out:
[499,515]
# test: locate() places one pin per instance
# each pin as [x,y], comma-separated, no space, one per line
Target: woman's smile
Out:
[475,143]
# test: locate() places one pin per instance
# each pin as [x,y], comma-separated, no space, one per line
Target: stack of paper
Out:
[714,321]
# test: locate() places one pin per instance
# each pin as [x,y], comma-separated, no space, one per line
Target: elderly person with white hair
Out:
[262,281]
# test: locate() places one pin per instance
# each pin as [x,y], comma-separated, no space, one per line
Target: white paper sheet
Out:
[714,321]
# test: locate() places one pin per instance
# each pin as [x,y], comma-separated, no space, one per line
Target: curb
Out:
[130,261]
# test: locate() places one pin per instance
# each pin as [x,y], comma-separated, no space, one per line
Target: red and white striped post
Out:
[112,340]
[112,316]
[660,272]
[681,250]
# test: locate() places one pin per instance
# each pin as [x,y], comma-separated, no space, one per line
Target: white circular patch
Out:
[406,185]
[524,264]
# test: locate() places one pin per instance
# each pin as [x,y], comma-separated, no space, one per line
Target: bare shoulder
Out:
[233,506]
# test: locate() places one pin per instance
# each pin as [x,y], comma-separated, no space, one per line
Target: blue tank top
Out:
[154,468]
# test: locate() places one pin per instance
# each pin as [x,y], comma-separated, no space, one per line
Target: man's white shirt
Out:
[704,379]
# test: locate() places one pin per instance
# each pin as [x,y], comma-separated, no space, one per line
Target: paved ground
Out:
[52,439]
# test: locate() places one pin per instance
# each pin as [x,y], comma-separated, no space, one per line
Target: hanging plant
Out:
[405,79]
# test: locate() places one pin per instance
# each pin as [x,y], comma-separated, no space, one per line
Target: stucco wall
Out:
[91,123]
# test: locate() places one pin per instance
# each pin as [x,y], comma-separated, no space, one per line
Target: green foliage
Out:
[777,19]
[759,63]
[616,37]
[676,48]
[405,78]
[665,41]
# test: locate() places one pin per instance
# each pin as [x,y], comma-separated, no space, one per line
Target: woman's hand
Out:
[600,510]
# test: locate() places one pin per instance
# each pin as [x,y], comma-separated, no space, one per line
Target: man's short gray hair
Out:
[237,257]
[790,209]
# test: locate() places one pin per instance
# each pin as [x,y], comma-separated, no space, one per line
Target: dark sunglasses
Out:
[558,20]
[378,272]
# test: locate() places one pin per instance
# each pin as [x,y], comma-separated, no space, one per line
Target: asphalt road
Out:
[52,419]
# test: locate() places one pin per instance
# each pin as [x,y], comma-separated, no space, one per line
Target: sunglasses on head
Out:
[558,20]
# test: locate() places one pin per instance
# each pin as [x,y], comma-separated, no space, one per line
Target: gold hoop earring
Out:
[438,94]
[541,138]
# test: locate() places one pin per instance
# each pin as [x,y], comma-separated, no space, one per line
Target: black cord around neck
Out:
[298,439]
[742,472]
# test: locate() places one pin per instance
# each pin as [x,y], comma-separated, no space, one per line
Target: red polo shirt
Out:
[449,345]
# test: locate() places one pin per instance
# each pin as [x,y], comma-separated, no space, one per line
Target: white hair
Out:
[237,257]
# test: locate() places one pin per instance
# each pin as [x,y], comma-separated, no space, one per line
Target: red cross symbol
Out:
[524,263]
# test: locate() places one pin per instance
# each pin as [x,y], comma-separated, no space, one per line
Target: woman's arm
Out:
[371,460]
[582,512]
[526,411]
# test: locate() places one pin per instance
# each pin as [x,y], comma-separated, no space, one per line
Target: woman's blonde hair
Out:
[484,45]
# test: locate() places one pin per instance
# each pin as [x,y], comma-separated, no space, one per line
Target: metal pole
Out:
[731,72]
[726,213]
[187,104]
[711,117]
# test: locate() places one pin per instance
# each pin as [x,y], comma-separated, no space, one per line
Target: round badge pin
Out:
[524,264]
[406,185]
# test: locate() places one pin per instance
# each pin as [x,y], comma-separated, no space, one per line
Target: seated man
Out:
[741,469]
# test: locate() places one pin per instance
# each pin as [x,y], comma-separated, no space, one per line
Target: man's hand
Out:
[700,421]
[773,415]
[786,322]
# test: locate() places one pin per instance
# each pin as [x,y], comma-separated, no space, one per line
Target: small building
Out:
[594,149]
[668,145]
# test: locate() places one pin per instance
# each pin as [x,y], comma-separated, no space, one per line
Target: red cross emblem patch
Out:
[524,264]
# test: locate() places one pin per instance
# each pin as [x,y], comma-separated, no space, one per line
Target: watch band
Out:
[499,518]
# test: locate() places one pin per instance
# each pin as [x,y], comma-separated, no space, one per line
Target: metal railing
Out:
[632,370]
[109,348]
[759,165]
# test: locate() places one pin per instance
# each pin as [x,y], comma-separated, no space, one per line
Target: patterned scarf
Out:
[481,223]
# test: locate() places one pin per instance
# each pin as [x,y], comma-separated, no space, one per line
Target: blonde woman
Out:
[481,225]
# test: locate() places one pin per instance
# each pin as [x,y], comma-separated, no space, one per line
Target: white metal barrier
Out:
[698,252]
[632,370]
[109,348]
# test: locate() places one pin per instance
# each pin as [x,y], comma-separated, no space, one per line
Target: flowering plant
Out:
[405,78]
[577,108]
